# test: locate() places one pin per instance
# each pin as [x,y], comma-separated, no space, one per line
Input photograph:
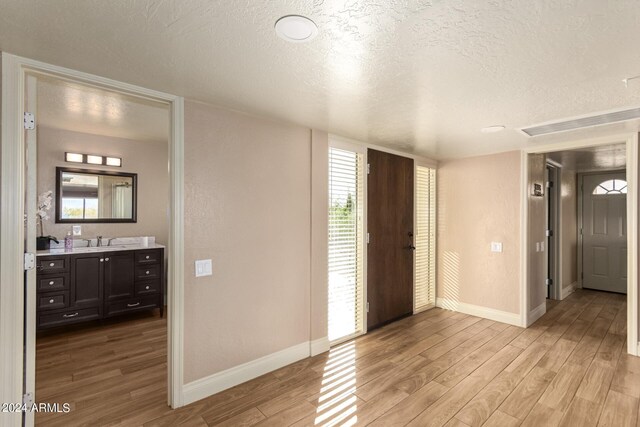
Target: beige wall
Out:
[148,160]
[247,207]
[479,202]
[536,232]
[569,202]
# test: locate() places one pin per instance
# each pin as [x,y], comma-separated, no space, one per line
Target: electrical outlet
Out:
[77,230]
[204,268]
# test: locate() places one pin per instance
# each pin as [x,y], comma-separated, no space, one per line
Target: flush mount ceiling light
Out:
[296,28]
[492,129]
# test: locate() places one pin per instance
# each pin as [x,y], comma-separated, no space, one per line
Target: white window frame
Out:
[360,149]
[417,165]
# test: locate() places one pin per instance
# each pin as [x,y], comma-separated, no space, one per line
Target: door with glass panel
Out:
[604,232]
[346,278]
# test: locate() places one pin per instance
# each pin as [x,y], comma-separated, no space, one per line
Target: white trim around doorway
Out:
[631,141]
[14,70]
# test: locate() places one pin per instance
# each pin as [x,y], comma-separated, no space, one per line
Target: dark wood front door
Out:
[390,248]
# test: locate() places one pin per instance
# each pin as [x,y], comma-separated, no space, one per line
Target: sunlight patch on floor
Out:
[337,404]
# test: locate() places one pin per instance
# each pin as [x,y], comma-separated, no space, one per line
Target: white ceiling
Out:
[604,157]
[80,108]
[420,76]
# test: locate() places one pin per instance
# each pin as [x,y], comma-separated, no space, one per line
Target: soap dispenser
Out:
[68,242]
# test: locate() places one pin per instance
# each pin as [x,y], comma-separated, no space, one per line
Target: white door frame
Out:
[12,190]
[631,141]
[557,232]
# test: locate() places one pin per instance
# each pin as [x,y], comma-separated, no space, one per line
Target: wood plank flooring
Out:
[438,368]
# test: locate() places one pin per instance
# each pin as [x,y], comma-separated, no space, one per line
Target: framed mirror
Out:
[94,196]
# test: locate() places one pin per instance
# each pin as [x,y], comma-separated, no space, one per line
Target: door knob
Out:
[411,246]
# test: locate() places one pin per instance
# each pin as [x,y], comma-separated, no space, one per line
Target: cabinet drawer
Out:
[46,320]
[147,287]
[148,272]
[53,301]
[133,304]
[148,257]
[53,283]
[53,264]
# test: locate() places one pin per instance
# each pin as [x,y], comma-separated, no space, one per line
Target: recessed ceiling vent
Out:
[583,122]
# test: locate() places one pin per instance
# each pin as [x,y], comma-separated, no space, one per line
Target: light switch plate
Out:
[204,268]
[537,246]
[77,230]
[541,246]
[496,246]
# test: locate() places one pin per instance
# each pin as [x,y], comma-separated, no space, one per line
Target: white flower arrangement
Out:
[45,202]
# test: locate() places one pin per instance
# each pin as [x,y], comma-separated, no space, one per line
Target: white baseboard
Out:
[476,310]
[568,290]
[220,381]
[536,313]
[319,346]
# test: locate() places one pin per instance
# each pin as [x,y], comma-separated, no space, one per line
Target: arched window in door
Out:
[611,186]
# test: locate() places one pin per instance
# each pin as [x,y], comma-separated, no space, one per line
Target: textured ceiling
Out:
[604,157]
[80,108]
[420,76]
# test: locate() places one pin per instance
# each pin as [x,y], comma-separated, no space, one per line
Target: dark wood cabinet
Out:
[87,279]
[79,287]
[119,276]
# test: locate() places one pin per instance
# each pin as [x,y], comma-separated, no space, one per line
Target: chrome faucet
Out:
[110,240]
[99,241]
[88,242]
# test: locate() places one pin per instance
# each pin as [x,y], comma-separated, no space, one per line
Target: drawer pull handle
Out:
[147,257]
[106,259]
[101,259]
[51,301]
[133,305]
[52,264]
[146,287]
[51,283]
[147,272]
[70,315]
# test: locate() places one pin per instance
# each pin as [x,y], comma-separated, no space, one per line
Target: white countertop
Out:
[87,250]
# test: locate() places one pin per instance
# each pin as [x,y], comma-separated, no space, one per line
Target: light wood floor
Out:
[437,368]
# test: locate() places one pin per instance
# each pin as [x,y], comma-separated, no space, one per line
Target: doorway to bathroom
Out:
[18,302]
[98,175]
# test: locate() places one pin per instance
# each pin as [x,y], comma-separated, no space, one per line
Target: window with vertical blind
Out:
[346,213]
[425,270]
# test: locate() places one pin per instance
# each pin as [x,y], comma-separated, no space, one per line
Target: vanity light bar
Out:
[92,159]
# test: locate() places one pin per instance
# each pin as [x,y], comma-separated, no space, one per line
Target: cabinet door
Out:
[119,275]
[86,280]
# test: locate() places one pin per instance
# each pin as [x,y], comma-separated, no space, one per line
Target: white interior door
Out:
[604,225]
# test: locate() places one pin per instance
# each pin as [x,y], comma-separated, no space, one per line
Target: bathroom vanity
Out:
[98,282]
